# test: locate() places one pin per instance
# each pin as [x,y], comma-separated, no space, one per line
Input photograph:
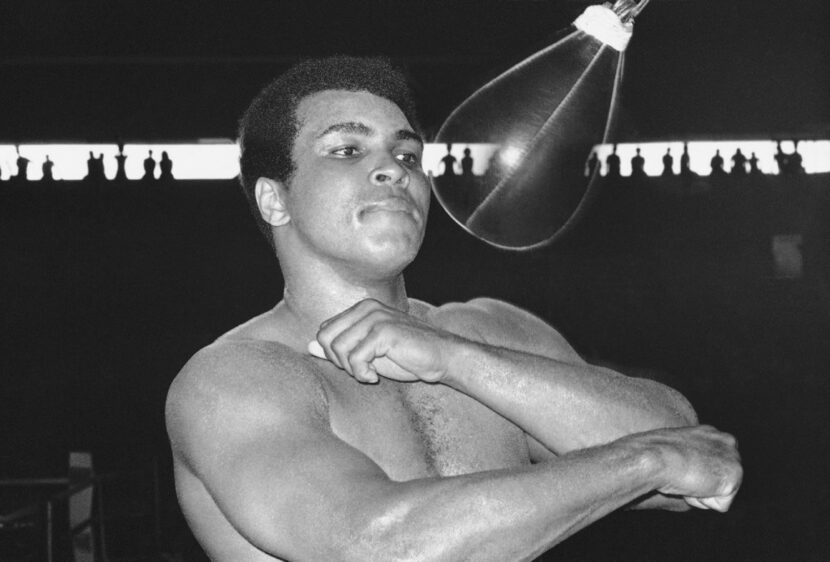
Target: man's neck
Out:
[312,298]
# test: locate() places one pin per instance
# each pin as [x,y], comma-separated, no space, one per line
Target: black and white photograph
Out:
[407,280]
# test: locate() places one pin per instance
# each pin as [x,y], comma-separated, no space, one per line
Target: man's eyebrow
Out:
[405,134]
[355,127]
[352,127]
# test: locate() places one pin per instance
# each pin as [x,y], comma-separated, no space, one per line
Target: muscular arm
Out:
[510,361]
[539,382]
[253,427]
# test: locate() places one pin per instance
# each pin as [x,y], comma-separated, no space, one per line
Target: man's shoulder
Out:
[482,309]
[501,323]
[243,381]
[242,365]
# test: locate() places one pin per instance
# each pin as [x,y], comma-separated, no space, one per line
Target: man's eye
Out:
[346,151]
[409,158]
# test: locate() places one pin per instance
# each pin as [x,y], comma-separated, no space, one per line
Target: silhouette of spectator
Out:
[22,166]
[613,163]
[467,164]
[166,167]
[121,158]
[781,159]
[94,167]
[668,163]
[753,165]
[684,161]
[149,167]
[449,162]
[638,164]
[717,164]
[593,162]
[99,167]
[46,168]
[738,163]
[794,161]
[90,167]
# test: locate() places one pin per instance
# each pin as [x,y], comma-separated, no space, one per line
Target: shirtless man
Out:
[352,422]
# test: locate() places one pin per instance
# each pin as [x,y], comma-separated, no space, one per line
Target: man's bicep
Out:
[293,493]
[269,460]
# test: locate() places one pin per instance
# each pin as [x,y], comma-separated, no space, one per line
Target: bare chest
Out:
[416,430]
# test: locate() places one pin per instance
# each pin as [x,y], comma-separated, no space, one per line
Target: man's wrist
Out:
[644,457]
[462,358]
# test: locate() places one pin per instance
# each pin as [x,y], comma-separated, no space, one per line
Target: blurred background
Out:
[717,285]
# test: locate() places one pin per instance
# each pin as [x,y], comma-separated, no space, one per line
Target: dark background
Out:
[95,70]
[108,289]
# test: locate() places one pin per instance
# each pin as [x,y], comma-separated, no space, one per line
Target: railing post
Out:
[102,534]
[49,529]
[157,502]
[81,529]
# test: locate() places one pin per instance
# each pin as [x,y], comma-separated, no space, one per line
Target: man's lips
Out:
[393,204]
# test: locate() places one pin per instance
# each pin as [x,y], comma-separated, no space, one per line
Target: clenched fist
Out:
[370,339]
[699,463]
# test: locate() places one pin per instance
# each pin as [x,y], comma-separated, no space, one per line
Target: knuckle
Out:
[356,357]
[323,334]
[378,315]
[338,346]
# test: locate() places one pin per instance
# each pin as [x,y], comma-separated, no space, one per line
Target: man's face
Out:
[358,196]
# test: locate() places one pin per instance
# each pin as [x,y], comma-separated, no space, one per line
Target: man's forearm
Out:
[504,515]
[565,406]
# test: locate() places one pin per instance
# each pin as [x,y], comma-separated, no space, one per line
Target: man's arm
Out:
[562,403]
[528,374]
[538,380]
[267,455]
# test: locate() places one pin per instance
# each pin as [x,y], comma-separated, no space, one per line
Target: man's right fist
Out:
[699,463]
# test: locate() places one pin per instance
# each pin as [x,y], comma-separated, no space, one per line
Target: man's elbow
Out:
[387,536]
[400,534]
[684,413]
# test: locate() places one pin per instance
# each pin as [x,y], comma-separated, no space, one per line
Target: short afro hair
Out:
[268,127]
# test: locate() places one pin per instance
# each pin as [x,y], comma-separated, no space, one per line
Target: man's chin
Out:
[392,252]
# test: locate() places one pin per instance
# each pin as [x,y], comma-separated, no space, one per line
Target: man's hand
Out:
[371,339]
[699,463]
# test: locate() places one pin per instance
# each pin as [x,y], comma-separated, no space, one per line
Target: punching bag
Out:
[538,122]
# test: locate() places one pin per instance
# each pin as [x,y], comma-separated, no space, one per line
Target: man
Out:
[46,169]
[716,163]
[613,163]
[684,161]
[22,166]
[638,164]
[149,167]
[738,164]
[352,422]
[449,162]
[668,163]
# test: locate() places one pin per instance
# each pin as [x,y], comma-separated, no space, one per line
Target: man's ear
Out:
[270,198]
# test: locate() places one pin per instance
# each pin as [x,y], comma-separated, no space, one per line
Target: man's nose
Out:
[390,172]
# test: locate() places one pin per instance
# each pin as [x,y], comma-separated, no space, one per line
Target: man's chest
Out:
[415,430]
